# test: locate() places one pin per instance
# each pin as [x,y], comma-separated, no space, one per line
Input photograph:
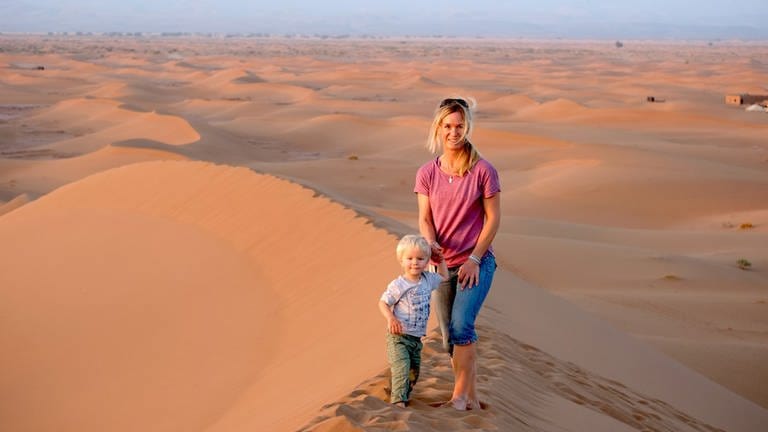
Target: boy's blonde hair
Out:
[413,241]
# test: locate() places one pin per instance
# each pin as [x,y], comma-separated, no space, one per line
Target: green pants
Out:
[404,355]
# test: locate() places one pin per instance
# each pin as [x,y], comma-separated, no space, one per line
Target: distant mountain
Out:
[141,16]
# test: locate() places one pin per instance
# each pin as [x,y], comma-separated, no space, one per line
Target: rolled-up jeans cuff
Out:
[465,342]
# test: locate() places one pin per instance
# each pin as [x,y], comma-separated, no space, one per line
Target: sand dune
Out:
[14,203]
[221,77]
[555,110]
[319,132]
[104,121]
[141,318]
[510,103]
[97,113]
[145,291]
[547,381]
[113,90]
[650,115]
[266,93]
[678,190]
[415,80]
[224,333]
[39,177]
[249,78]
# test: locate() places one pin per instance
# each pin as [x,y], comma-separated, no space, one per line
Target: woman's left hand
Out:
[469,274]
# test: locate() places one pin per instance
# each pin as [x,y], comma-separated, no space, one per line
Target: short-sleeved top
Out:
[457,205]
[411,301]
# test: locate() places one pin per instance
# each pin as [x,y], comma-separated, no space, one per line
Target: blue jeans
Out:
[457,309]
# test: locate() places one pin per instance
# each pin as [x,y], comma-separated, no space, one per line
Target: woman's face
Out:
[452,131]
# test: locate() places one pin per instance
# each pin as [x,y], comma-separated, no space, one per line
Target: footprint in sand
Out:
[506,367]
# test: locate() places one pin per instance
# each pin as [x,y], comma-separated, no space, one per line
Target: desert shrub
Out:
[744,264]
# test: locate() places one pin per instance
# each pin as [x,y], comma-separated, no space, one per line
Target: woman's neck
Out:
[451,161]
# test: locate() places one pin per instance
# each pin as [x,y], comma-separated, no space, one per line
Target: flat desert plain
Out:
[194,232]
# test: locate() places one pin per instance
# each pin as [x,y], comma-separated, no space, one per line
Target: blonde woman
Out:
[459,211]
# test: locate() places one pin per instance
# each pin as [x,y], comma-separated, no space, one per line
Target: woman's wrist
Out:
[475,259]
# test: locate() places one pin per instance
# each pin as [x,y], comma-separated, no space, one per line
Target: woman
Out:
[458,196]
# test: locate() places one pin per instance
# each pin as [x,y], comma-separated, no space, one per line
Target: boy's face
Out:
[414,261]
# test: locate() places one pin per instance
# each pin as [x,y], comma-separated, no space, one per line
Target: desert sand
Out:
[194,232]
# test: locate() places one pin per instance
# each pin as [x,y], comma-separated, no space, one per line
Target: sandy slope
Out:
[105,265]
[157,273]
[538,362]
[38,177]
[170,296]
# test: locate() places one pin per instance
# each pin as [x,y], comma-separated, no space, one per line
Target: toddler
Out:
[405,305]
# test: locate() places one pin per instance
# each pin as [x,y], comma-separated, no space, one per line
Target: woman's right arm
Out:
[427,226]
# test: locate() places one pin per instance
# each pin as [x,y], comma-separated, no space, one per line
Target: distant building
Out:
[741,99]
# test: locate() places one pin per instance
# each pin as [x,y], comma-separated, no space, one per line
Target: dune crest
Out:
[415,80]
[524,388]
[97,122]
[112,90]
[13,204]
[39,177]
[510,103]
[554,110]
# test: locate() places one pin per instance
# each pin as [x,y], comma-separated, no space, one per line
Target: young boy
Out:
[405,305]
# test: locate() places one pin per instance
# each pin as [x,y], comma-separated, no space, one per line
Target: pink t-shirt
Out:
[457,206]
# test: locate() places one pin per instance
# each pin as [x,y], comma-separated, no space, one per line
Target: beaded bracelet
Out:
[475,259]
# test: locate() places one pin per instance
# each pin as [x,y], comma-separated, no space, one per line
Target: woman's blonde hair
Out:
[446,107]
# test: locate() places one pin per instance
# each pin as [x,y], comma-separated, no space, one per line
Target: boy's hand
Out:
[395,326]
[437,252]
[437,256]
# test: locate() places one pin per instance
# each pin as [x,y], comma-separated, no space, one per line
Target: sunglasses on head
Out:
[452,101]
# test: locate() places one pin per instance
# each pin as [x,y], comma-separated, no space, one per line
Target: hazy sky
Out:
[554,18]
